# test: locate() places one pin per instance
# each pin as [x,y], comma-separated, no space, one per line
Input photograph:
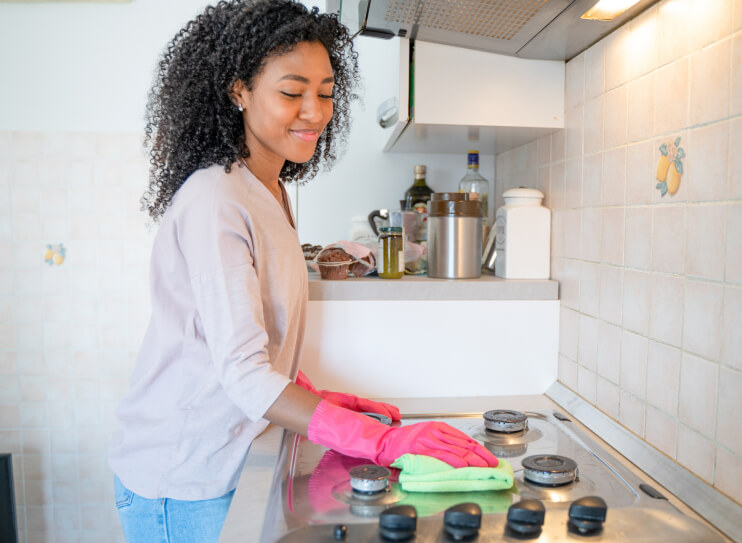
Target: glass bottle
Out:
[418,195]
[390,258]
[475,183]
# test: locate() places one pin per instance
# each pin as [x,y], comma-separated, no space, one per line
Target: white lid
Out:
[523,196]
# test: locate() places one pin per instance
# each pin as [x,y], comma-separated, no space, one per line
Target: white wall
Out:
[88,67]
[83,66]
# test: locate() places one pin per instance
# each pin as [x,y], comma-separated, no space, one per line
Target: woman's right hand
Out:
[360,436]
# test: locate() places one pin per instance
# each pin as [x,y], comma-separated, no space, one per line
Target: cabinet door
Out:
[401,99]
[456,86]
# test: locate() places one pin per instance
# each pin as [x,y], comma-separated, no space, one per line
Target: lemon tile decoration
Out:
[670,166]
[55,254]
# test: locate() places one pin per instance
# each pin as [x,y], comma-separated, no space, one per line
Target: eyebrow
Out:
[302,79]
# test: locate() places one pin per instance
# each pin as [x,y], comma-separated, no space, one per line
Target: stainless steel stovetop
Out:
[312,499]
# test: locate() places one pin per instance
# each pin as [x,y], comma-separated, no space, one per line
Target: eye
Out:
[327,96]
[290,95]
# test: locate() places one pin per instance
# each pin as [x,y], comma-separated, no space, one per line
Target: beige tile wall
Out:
[68,333]
[651,286]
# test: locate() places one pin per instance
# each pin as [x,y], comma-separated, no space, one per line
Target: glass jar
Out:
[390,259]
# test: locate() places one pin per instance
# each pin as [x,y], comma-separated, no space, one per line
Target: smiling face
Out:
[288,107]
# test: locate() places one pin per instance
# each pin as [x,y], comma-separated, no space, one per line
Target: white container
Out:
[523,236]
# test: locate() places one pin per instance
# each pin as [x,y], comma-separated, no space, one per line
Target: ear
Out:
[237,92]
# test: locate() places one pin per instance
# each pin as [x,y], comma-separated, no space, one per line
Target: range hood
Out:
[535,29]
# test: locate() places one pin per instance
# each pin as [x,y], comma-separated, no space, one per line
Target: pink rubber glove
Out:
[349,401]
[360,436]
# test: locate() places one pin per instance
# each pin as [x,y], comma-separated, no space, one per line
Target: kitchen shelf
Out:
[420,287]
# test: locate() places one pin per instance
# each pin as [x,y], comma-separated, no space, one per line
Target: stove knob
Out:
[526,517]
[587,515]
[463,520]
[340,532]
[398,523]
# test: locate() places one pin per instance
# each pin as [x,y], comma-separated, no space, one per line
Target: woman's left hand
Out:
[349,401]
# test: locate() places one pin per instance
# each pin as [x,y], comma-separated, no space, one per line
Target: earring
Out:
[239,107]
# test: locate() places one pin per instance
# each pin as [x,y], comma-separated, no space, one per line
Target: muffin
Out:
[333,264]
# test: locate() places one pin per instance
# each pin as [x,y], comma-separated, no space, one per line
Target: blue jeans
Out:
[170,521]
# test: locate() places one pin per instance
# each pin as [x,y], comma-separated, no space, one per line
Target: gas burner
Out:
[549,469]
[368,492]
[369,479]
[503,421]
[506,433]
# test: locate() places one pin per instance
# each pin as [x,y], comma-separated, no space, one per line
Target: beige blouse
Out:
[229,294]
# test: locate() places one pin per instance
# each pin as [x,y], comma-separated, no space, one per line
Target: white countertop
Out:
[421,287]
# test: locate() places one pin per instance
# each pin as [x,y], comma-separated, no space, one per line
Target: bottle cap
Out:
[420,168]
[473,158]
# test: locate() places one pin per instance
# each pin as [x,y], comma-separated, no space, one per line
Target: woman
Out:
[251,94]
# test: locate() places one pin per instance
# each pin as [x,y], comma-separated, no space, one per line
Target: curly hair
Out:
[192,122]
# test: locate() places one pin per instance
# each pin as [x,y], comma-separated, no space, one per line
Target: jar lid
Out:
[455,208]
[523,196]
[458,196]
[391,229]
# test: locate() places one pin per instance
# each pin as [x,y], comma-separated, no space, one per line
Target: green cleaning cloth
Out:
[429,504]
[427,474]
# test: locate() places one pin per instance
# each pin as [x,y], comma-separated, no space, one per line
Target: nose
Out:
[311,109]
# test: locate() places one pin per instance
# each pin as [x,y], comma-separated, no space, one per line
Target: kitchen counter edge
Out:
[420,287]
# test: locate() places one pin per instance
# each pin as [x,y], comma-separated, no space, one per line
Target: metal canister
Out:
[454,236]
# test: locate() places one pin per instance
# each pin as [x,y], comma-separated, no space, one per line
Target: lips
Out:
[306,135]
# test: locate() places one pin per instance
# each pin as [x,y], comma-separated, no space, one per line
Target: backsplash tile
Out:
[699,381]
[660,275]
[642,49]
[631,411]
[65,348]
[704,254]
[731,344]
[636,301]
[608,397]
[696,452]
[661,430]
[733,271]
[587,355]
[663,377]
[595,70]
[594,125]
[638,242]
[729,431]
[589,287]
[736,93]
[611,294]
[609,351]
[668,239]
[614,118]
[614,177]
[728,473]
[612,236]
[641,113]
[709,86]
[671,97]
[617,58]
[702,318]
[633,375]
[709,170]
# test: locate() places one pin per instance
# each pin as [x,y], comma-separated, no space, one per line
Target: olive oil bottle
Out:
[418,195]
